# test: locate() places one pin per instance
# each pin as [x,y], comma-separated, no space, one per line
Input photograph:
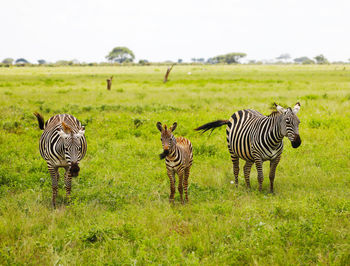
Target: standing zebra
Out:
[62,144]
[178,159]
[256,138]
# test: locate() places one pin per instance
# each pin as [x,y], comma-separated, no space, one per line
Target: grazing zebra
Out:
[62,144]
[178,159]
[256,138]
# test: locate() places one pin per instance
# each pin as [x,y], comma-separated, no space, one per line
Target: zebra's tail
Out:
[40,120]
[212,125]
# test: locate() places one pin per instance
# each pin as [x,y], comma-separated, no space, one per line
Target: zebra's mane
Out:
[274,113]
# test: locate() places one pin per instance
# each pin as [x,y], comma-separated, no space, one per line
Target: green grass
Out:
[120,212]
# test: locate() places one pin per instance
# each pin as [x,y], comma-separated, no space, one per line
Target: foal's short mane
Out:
[274,113]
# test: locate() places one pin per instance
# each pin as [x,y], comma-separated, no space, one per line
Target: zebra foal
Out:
[178,159]
[62,144]
[256,138]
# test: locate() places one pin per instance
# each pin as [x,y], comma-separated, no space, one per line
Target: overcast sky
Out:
[160,30]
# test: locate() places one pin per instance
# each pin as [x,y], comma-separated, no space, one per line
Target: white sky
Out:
[160,30]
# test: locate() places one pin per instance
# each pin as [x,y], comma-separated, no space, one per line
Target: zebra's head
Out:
[167,138]
[72,144]
[290,124]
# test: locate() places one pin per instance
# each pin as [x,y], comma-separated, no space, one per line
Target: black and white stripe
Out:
[62,144]
[178,159]
[256,138]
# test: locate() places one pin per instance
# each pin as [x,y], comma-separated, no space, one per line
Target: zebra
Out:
[178,159]
[62,144]
[256,138]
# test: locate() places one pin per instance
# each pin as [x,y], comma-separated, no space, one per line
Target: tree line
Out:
[123,55]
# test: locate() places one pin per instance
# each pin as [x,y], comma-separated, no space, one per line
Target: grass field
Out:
[120,212]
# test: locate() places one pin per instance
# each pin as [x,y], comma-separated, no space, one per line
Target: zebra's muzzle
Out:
[74,169]
[296,142]
[164,154]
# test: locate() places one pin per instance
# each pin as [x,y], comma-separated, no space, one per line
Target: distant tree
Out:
[308,62]
[212,61]
[64,62]
[121,54]
[284,57]
[41,62]
[8,61]
[231,58]
[179,60]
[199,60]
[320,59]
[303,60]
[21,61]
[143,62]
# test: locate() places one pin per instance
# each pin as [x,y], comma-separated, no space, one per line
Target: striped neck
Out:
[173,149]
[274,133]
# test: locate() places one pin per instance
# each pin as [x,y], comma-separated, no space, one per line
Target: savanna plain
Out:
[120,213]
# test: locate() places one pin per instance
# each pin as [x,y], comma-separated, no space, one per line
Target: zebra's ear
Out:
[173,127]
[80,133]
[280,109]
[159,126]
[296,108]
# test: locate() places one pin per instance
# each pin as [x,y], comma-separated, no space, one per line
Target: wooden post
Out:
[109,83]
[167,73]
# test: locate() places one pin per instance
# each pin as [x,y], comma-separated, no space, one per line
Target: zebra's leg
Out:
[247,167]
[187,174]
[180,185]
[171,175]
[54,177]
[259,168]
[68,183]
[273,166]
[235,161]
